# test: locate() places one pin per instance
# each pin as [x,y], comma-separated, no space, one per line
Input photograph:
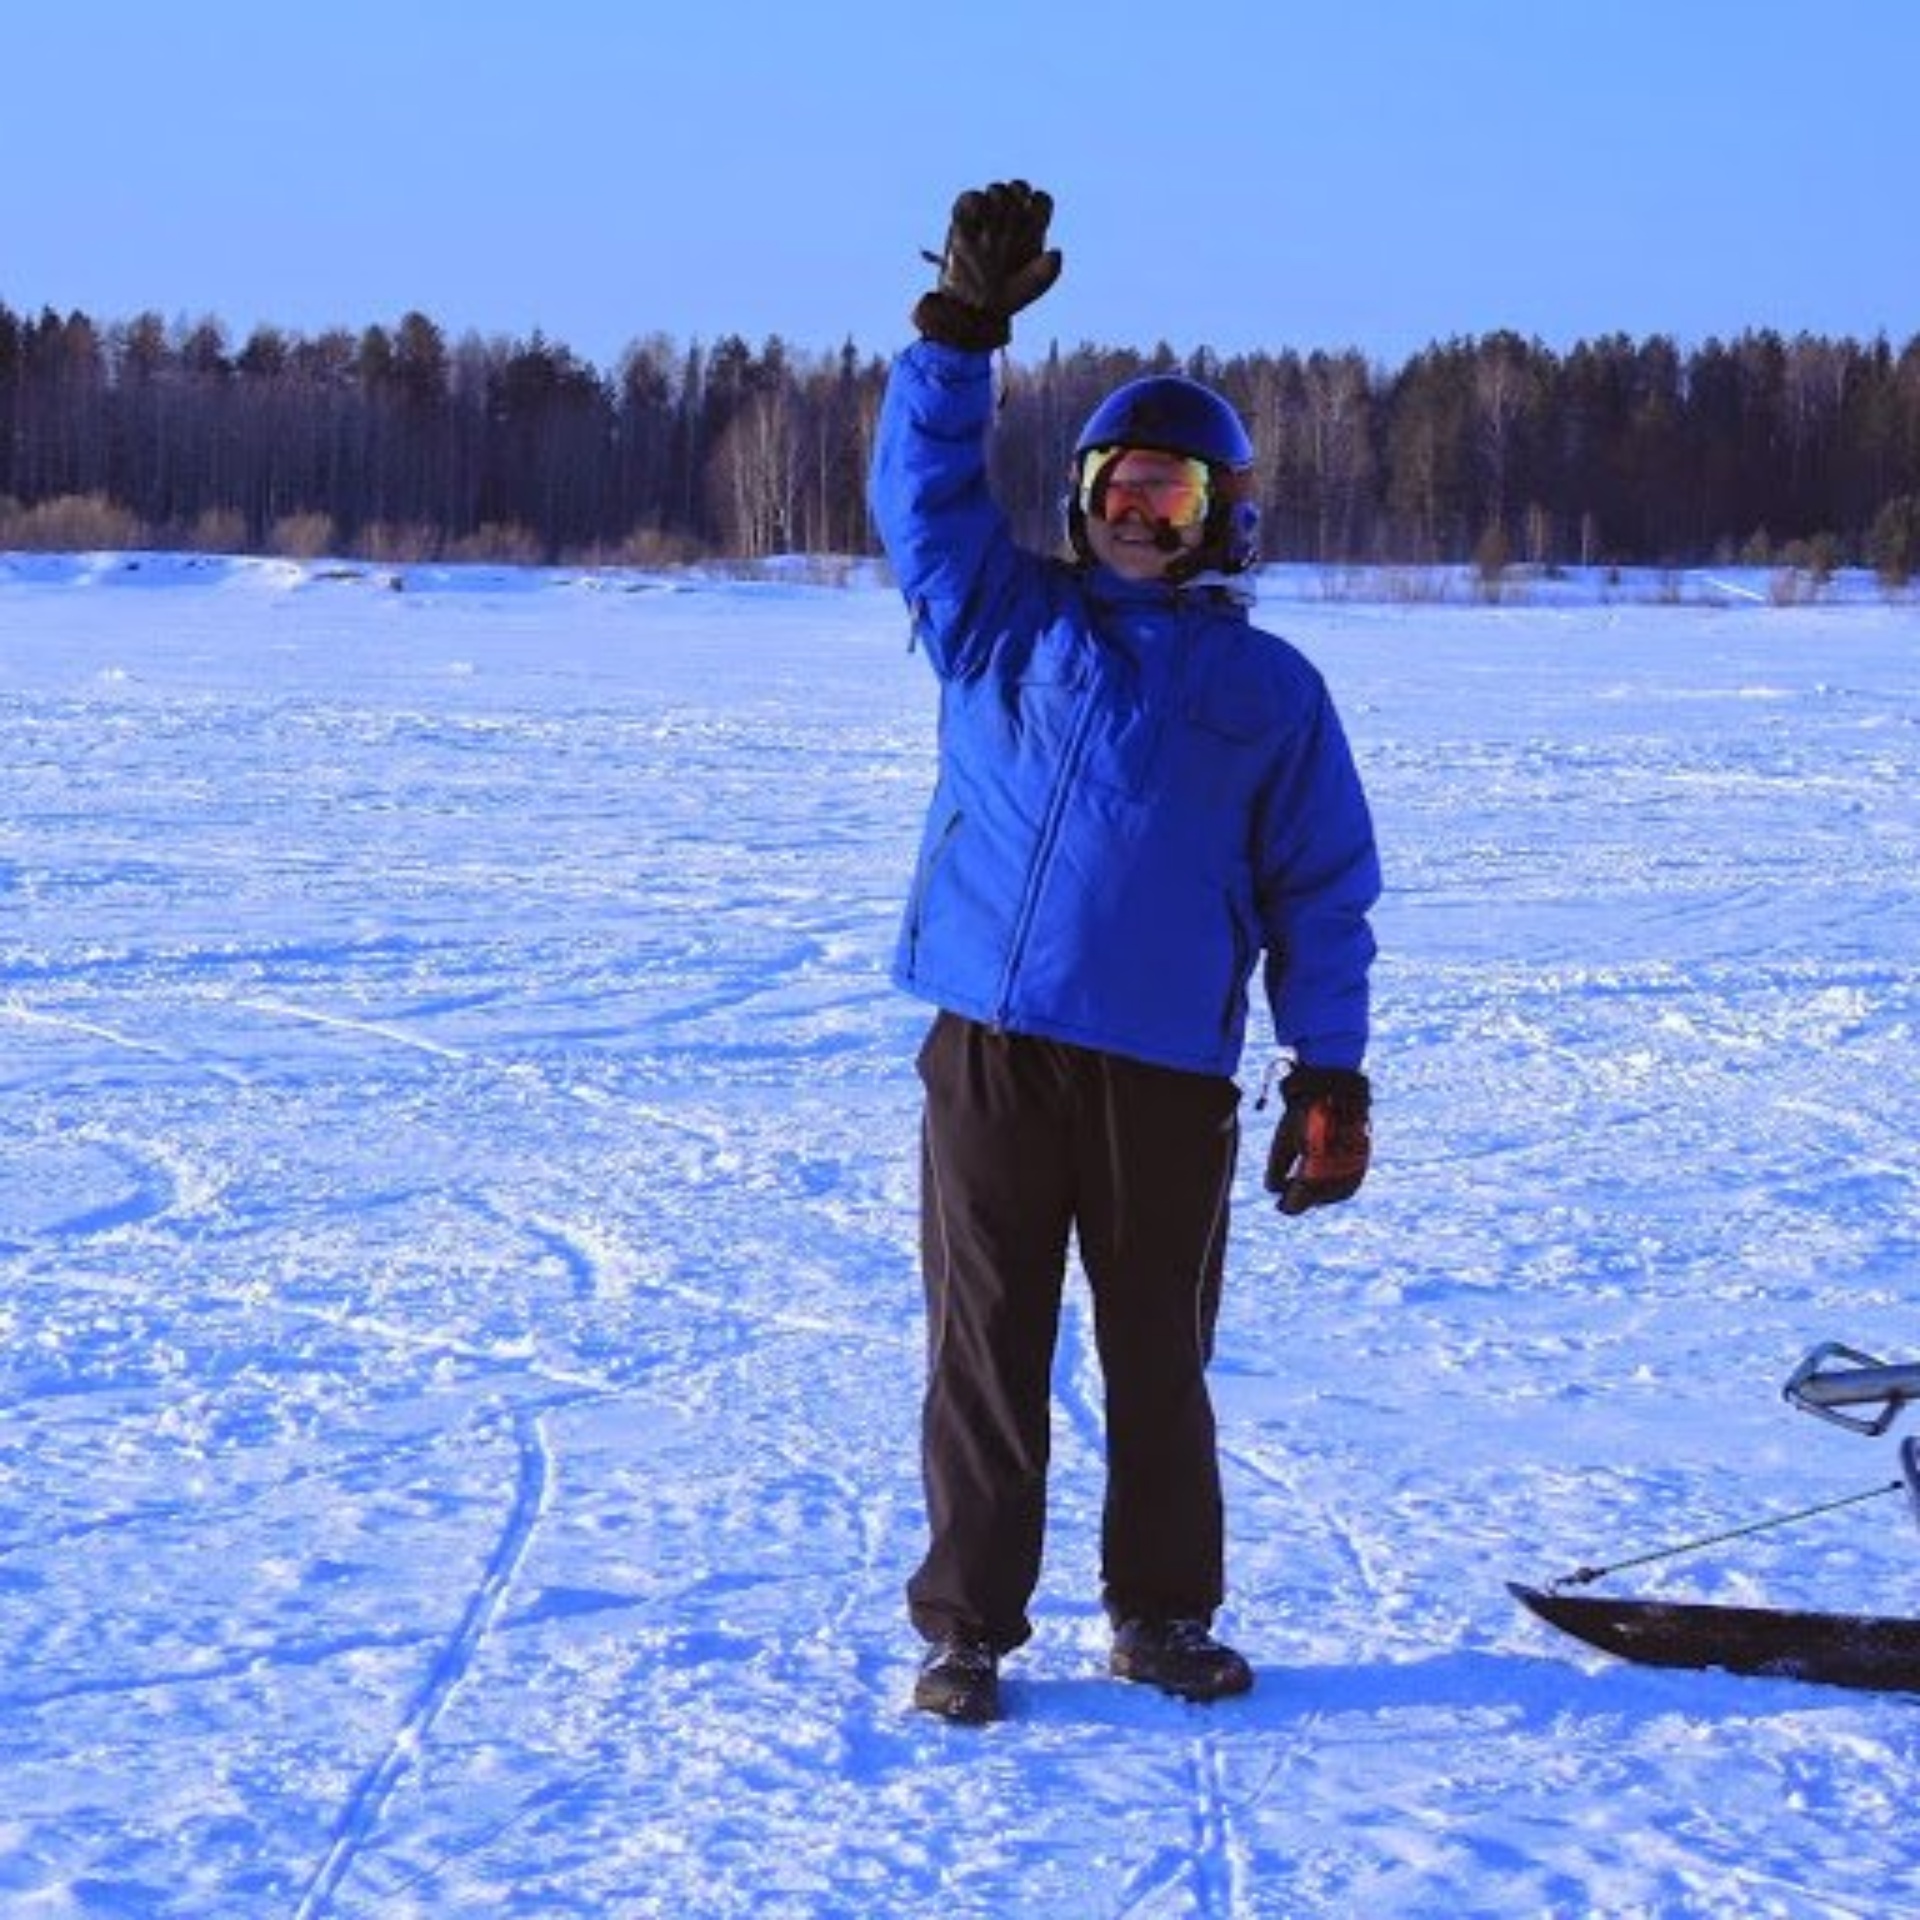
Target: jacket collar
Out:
[1216,592]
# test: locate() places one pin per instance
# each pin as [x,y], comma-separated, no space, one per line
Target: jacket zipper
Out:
[1044,845]
[1244,956]
[928,868]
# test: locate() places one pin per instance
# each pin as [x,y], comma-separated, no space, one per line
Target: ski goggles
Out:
[1166,488]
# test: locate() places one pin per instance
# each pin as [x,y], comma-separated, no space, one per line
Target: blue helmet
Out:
[1168,413]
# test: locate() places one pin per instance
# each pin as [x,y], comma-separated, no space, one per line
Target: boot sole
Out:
[1199,1692]
[975,1707]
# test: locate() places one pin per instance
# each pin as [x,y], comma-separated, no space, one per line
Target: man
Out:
[1140,795]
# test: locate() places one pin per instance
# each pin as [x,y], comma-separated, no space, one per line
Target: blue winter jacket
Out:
[1140,794]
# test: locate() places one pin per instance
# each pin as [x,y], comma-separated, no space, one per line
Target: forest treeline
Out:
[397,443]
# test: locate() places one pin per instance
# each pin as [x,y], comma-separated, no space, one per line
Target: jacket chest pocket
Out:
[1196,753]
[1041,696]
[1124,749]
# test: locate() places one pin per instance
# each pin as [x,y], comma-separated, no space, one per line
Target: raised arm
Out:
[951,549]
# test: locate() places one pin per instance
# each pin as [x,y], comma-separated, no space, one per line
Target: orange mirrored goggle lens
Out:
[1165,487]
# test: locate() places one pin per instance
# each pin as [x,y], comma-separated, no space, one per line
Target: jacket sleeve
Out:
[952,552]
[1319,879]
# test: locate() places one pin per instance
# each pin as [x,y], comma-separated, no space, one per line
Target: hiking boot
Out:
[959,1680]
[1179,1657]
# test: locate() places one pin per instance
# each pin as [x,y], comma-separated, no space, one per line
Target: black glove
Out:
[996,262]
[1321,1150]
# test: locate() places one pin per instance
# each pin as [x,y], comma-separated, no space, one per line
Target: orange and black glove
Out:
[996,261]
[1321,1150]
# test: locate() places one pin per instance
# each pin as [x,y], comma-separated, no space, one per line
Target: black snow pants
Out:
[1026,1145]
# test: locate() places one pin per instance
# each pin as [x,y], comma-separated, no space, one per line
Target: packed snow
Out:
[461,1325]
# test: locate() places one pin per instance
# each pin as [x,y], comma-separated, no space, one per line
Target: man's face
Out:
[1143,510]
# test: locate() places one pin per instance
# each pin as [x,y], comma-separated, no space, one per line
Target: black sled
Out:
[1878,1653]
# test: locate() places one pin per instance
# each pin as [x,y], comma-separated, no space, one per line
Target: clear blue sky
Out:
[1370,173]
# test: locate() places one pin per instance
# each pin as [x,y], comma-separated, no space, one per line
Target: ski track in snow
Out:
[461,1338]
[360,1822]
[373,1029]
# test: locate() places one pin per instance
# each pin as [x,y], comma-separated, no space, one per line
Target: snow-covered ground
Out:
[460,1326]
